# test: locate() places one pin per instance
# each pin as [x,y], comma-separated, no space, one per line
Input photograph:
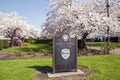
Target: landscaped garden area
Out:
[106,67]
[73,40]
[47,48]
[38,50]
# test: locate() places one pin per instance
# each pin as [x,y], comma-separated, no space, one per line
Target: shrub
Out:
[31,41]
[6,43]
[30,52]
[26,44]
[107,47]
[41,41]
[1,44]
[17,41]
[45,51]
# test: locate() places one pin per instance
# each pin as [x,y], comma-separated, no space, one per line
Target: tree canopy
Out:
[13,25]
[88,18]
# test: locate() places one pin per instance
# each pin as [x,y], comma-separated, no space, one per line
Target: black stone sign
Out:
[64,54]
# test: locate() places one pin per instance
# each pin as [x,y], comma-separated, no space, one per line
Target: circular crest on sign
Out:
[65,37]
[65,53]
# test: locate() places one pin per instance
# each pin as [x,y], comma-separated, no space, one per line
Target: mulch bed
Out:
[90,52]
[4,55]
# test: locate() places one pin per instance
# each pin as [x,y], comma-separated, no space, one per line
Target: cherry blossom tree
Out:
[80,19]
[59,18]
[68,16]
[12,25]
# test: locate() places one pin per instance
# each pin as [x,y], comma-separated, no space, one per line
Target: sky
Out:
[34,11]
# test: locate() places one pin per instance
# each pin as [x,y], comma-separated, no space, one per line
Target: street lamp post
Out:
[108,28]
[118,32]
[107,6]
[119,18]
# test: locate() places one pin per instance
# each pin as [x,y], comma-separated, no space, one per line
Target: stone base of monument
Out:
[50,74]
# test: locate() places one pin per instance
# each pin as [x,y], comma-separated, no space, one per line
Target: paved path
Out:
[115,51]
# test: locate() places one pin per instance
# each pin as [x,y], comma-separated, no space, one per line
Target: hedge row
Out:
[4,44]
[29,41]
[49,41]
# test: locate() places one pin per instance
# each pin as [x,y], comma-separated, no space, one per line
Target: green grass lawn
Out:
[107,67]
[102,43]
[35,48]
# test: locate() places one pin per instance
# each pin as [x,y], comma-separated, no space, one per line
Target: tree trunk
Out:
[82,43]
[11,42]
[82,46]
[12,36]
